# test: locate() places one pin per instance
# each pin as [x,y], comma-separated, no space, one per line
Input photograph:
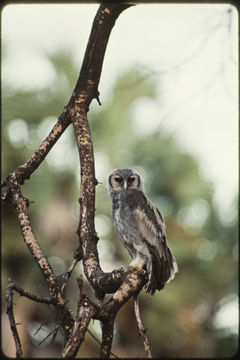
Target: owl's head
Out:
[124,180]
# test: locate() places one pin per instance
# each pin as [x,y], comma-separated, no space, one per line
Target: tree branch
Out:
[21,204]
[142,331]
[9,303]
[107,337]
[28,295]
[99,343]
[123,282]
[85,91]
[24,171]
[68,274]
[131,285]
[87,85]
[85,313]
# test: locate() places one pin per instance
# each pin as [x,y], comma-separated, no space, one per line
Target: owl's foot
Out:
[122,270]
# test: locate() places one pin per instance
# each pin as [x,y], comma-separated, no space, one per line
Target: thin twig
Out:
[9,303]
[69,273]
[54,332]
[41,325]
[142,331]
[30,296]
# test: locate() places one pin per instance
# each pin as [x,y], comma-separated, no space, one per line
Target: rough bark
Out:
[123,282]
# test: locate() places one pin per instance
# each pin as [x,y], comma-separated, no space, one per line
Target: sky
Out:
[190,49]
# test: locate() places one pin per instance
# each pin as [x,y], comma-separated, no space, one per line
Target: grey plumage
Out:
[141,228]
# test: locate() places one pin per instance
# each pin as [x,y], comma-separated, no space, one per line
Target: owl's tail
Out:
[161,270]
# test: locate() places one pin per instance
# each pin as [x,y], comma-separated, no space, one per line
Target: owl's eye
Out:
[131,179]
[118,179]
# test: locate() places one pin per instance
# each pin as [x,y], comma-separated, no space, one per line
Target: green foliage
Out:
[179,318]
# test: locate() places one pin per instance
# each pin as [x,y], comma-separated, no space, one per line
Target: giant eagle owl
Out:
[141,228]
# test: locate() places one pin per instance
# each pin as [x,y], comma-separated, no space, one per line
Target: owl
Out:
[141,228]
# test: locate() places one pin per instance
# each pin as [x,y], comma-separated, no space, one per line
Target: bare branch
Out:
[21,204]
[107,336]
[85,313]
[31,296]
[123,282]
[142,331]
[69,273]
[131,285]
[24,171]
[99,343]
[9,303]
[87,85]
[54,332]
[85,91]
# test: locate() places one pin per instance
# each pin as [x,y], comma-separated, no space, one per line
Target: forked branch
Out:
[122,282]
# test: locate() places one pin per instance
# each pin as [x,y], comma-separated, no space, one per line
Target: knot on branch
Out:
[12,186]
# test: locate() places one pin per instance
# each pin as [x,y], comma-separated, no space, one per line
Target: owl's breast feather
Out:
[122,205]
[124,220]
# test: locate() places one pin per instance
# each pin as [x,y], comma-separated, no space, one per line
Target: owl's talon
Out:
[121,270]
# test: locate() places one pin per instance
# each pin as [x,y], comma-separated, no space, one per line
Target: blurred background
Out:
[170,110]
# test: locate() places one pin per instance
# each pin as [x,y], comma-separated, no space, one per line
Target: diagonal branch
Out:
[131,285]
[123,282]
[87,85]
[21,204]
[68,274]
[24,171]
[28,295]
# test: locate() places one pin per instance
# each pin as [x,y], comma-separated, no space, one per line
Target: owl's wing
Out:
[152,228]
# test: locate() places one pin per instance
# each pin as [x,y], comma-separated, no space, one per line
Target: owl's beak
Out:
[125,185]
